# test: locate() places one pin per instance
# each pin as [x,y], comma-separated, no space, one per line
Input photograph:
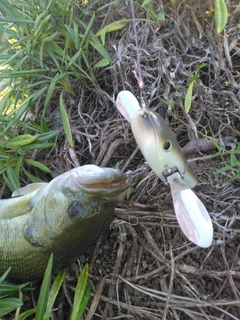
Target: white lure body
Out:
[163,153]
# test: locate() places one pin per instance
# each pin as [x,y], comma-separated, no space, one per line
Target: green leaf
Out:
[42,25]
[202,65]
[35,145]
[74,35]
[20,141]
[22,73]
[94,41]
[220,15]
[188,98]
[9,304]
[44,291]
[161,15]
[75,58]
[128,193]
[101,63]
[16,20]
[114,26]
[238,148]
[4,276]
[26,314]
[4,154]
[38,165]
[23,107]
[54,291]
[12,179]
[82,295]
[233,159]
[65,121]
[8,288]
[193,78]
[220,149]
[227,168]
[31,177]
[8,9]
[49,94]
[84,38]
[146,2]
[46,136]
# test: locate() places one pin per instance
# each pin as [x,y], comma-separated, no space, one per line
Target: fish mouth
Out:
[107,189]
[106,181]
[125,179]
[103,181]
[105,185]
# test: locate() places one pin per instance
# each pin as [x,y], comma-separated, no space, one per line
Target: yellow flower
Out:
[84,2]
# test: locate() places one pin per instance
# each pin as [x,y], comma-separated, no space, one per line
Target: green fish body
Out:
[64,217]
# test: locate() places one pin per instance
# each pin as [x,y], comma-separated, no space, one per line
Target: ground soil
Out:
[143,267]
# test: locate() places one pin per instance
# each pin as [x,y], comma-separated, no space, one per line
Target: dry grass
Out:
[143,267]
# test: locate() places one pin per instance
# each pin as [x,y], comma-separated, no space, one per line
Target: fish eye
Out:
[75,210]
[167,146]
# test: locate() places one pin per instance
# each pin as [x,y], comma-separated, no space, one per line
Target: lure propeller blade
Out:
[127,104]
[191,214]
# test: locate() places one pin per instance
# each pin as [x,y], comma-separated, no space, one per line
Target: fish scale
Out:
[16,252]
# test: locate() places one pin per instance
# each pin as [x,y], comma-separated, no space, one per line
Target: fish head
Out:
[159,146]
[71,212]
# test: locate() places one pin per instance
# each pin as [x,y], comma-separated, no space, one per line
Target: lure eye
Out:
[75,210]
[167,146]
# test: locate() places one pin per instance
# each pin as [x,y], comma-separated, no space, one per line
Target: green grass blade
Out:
[12,178]
[114,26]
[87,30]
[74,58]
[9,304]
[38,146]
[58,280]
[8,288]
[44,291]
[16,20]
[82,295]
[95,42]
[84,38]
[31,177]
[24,73]
[49,94]
[188,98]
[101,63]
[23,107]
[20,141]
[41,26]
[7,9]
[26,314]
[220,15]
[38,165]
[46,136]
[4,276]
[65,121]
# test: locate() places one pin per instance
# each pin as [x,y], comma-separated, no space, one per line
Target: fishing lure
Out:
[163,153]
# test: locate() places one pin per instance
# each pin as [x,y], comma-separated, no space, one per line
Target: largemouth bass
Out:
[64,217]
